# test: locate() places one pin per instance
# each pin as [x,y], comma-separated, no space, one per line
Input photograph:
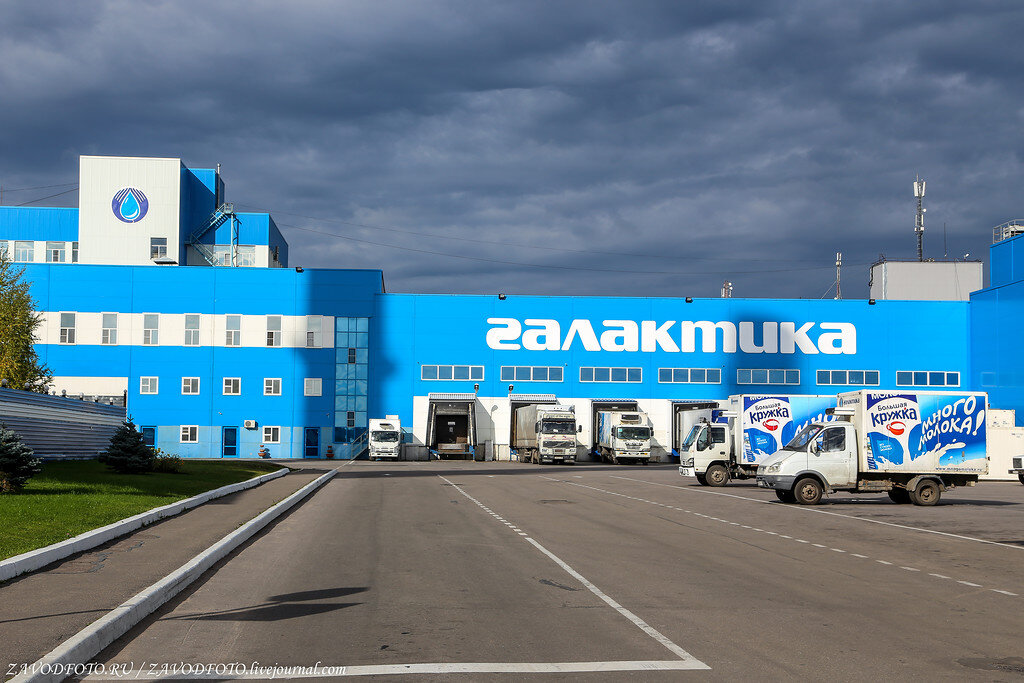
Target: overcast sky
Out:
[554,147]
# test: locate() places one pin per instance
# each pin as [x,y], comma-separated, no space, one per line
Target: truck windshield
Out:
[803,437]
[691,437]
[558,427]
[633,432]
[384,436]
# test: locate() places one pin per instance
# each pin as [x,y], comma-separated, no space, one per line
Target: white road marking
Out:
[803,508]
[687,658]
[770,533]
[285,672]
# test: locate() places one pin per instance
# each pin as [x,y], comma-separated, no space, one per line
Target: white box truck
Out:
[385,438]
[751,428]
[912,445]
[546,433]
[623,436]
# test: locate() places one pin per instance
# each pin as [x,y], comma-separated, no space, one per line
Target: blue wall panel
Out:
[38,223]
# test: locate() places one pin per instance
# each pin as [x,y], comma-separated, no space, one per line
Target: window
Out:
[350,419]
[247,255]
[3,248]
[233,325]
[273,330]
[189,434]
[150,329]
[632,375]
[530,373]
[272,386]
[148,385]
[157,247]
[313,386]
[67,328]
[272,435]
[927,378]
[452,372]
[24,251]
[191,329]
[189,385]
[232,386]
[108,334]
[314,332]
[845,377]
[55,252]
[761,376]
[351,356]
[689,375]
[832,440]
[74,252]
[148,436]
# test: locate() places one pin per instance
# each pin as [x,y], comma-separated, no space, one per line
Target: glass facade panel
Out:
[351,338]
[871,377]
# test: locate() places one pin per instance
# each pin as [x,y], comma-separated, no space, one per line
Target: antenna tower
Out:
[919,222]
[839,274]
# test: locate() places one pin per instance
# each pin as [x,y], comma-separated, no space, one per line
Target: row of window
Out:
[753,376]
[56,252]
[233,330]
[190,434]
[232,386]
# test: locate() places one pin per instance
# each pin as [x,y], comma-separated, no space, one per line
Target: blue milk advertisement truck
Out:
[911,445]
[750,427]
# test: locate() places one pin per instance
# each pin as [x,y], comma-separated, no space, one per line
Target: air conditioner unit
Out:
[250,424]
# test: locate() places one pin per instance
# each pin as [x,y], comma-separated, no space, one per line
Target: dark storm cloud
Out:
[550,145]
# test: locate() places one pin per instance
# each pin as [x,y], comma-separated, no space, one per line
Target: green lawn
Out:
[69,498]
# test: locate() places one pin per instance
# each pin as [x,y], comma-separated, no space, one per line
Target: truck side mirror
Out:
[579,429]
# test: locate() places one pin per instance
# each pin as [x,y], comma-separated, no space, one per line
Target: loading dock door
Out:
[517,401]
[600,406]
[451,429]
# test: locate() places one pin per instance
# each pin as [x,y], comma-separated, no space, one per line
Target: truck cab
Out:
[385,440]
[825,451]
[556,436]
[706,445]
[624,436]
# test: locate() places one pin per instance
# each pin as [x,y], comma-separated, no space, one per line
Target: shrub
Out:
[128,453]
[166,462]
[17,463]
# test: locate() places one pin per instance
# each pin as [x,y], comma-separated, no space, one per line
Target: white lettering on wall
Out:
[649,336]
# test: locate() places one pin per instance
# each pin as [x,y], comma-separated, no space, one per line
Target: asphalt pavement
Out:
[496,571]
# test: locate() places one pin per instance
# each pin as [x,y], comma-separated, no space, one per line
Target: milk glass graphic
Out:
[894,430]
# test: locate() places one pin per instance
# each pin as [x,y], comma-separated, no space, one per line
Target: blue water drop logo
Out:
[130,205]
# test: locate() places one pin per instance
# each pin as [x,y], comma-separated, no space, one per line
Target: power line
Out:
[39,187]
[33,201]
[507,244]
[549,266]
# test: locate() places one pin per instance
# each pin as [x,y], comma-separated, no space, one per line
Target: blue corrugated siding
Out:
[38,223]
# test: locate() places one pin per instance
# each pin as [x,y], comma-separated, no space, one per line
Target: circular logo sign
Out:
[130,205]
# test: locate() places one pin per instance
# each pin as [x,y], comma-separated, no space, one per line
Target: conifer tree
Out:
[19,363]
[128,452]
[17,462]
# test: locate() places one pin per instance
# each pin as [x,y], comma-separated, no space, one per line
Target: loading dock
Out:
[685,414]
[517,401]
[451,426]
[606,404]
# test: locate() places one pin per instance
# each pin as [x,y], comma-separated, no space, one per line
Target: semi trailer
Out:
[912,446]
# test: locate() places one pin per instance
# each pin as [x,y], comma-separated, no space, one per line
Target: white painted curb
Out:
[34,559]
[83,646]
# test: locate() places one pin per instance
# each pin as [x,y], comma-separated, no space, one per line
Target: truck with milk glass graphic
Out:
[747,429]
[913,446]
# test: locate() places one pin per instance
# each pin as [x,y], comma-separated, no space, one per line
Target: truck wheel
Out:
[702,480]
[717,475]
[807,491]
[927,493]
[785,496]
[900,496]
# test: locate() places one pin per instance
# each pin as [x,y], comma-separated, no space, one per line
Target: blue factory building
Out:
[157,290]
